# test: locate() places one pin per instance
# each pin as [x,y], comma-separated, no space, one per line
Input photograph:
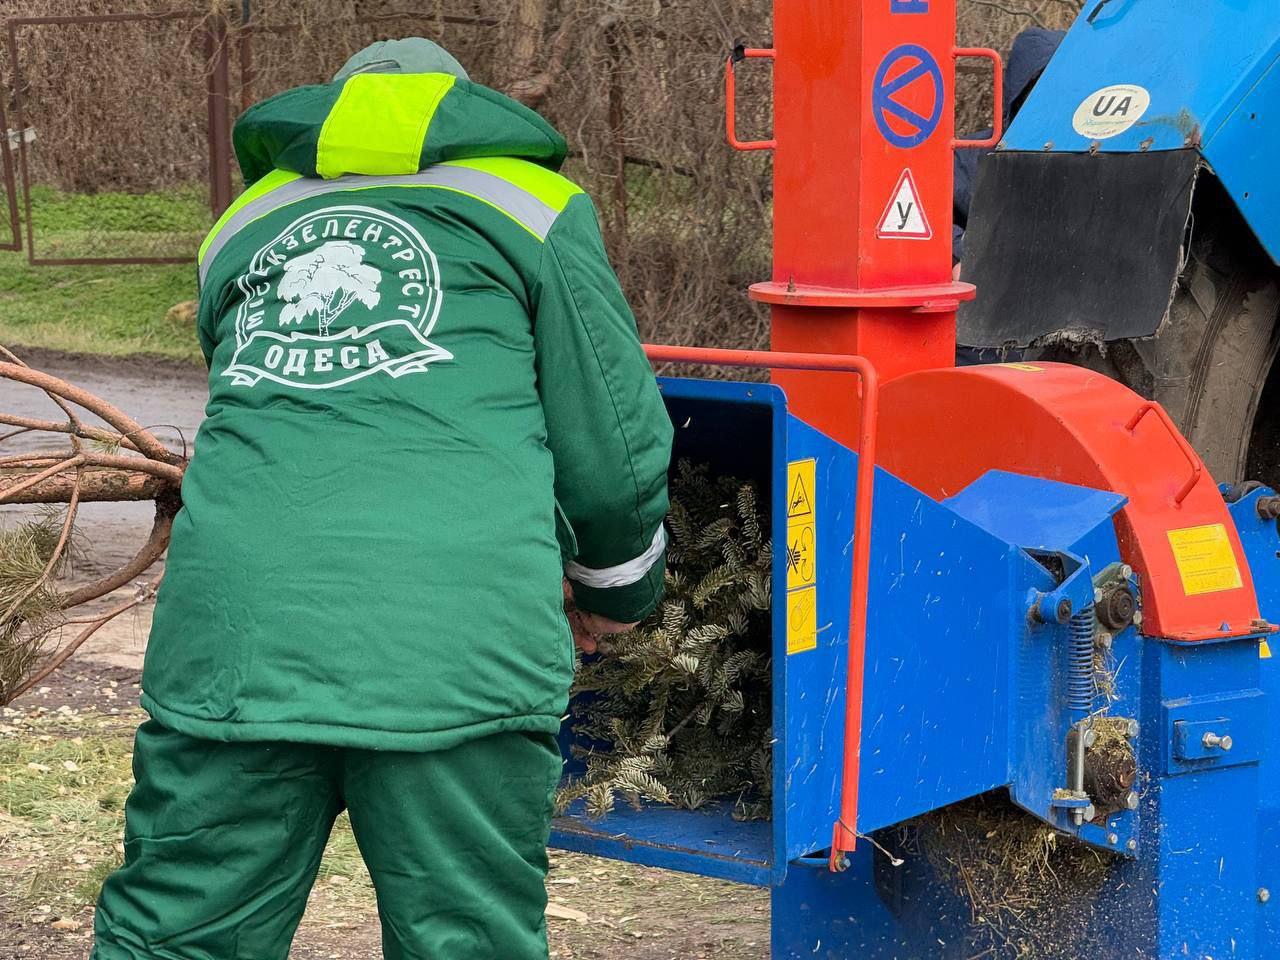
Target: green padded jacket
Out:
[428,403]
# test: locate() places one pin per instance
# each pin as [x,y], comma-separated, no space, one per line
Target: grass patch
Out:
[64,779]
[112,310]
[61,829]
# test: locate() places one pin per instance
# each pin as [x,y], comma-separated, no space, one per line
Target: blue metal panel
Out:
[809,686]
[1210,67]
[709,842]
[1032,513]
[1196,58]
[1261,541]
[948,600]
[1243,152]
[738,429]
[1069,521]
[1199,837]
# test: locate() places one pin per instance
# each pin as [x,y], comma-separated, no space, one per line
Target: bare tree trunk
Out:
[96,485]
[528,29]
[617,136]
[535,60]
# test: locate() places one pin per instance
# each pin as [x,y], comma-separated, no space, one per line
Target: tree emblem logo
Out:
[325,282]
[338,295]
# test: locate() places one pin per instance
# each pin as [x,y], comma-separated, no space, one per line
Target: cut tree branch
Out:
[152,550]
[64,654]
[97,485]
[53,426]
[126,425]
[164,471]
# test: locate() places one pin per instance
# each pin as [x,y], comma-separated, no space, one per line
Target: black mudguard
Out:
[1075,246]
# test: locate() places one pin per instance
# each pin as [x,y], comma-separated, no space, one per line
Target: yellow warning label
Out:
[802,620]
[802,554]
[1266,650]
[802,557]
[800,490]
[1026,367]
[1205,560]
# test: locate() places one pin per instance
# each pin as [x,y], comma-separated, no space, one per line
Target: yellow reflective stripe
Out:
[531,196]
[274,179]
[378,125]
[551,188]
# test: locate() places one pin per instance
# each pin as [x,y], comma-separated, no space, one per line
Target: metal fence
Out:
[14,242]
[218,128]
[215,75]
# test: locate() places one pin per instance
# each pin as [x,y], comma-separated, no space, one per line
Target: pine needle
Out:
[678,710]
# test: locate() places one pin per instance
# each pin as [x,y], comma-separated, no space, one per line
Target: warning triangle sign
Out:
[798,503]
[904,218]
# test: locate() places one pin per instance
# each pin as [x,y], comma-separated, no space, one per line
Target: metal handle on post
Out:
[1193,458]
[731,100]
[997,75]
[844,836]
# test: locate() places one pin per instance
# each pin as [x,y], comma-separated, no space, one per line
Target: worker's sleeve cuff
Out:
[627,592]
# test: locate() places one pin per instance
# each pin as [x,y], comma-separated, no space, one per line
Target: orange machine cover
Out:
[942,429]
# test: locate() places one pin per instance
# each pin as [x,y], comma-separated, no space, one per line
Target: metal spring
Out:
[1081,687]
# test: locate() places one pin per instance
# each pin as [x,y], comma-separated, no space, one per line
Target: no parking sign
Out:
[919,69]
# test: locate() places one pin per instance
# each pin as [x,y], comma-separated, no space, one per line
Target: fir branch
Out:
[678,711]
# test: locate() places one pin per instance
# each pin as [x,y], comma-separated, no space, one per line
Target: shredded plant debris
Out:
[1029,888]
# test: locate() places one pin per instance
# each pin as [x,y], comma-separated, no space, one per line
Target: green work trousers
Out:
[223,842]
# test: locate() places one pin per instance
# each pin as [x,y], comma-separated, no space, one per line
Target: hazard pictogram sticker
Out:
[802,557]
[800,485]
[904,218]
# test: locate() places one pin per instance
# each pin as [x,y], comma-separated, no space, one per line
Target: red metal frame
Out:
[840,155]
[997,97]
[731,99]
[844,832]
[862,97]
[1197,467]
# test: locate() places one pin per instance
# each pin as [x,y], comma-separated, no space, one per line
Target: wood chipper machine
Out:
[991,574]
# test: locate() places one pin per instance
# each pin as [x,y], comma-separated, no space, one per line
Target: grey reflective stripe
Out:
[624,574]
[520,205]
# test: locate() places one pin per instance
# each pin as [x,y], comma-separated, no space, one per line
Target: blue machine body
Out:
[1212,71]
[967,692]
[743,429]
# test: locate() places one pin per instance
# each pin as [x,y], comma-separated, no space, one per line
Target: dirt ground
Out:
[49,871]
[601,909]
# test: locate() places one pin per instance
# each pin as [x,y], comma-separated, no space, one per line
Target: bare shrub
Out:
[634,84]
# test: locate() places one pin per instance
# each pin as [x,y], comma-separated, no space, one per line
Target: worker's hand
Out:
[588,628]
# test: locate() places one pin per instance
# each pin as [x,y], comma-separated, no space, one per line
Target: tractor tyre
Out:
[1211,361]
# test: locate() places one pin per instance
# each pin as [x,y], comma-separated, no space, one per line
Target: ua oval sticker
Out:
[340,294]
[1111,111]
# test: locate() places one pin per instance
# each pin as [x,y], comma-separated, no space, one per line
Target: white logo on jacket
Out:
[340,294]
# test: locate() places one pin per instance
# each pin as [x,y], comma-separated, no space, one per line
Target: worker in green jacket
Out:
[428,405]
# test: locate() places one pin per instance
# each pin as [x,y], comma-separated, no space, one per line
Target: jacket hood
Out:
[384,124]
[1030,54]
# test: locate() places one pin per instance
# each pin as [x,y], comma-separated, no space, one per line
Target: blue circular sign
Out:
[883,103]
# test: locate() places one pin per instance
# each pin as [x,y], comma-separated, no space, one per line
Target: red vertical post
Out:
[864,121]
